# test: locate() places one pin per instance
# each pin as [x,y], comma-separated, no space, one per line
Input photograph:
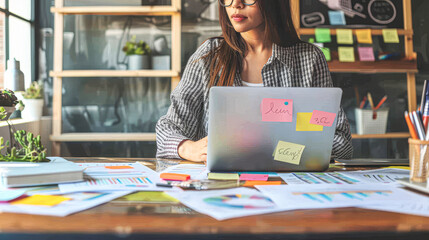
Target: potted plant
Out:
[24,147]
[8,101]
[138,54]
[33,102]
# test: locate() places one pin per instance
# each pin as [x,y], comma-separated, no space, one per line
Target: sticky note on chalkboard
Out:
[288,152]
[390,35]
[276,110]
[364,36]
[322,118]
[337,18]
[344,36]
[327,53]
[323,35]
[303,123]
[366,54]
[346,54]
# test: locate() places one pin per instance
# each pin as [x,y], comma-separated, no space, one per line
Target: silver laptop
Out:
[239,139]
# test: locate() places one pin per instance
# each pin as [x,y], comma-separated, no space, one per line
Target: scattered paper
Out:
[317,178]
[330,196]
[337,18]
[41,200]
[288,152]
[322,118]
[223,176]
[385,175]
[364,36]
[253,177]
[344,36]
[196,171]
[276,110]
[419,208]
[11,194]
[303,123]
[346,54]
[366,54]
[76,203]
[323,35]
[390,35]
[229,203]
[254,183]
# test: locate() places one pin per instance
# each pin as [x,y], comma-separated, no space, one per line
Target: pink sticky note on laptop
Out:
[277,110]
[366,54]
[322,118]
[253,177]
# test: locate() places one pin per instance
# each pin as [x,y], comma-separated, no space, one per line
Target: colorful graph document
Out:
[317,178]
[385,175]
[196,171]
[420,208]
[229,203]
[76,202]
[115,176]
[330,196]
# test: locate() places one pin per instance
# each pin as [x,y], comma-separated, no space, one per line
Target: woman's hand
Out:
[194,151]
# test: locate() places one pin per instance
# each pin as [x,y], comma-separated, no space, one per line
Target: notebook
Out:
[58,170]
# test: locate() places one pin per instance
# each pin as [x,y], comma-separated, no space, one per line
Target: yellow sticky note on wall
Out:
[364,36]
[42,200]
[303,123]
[346,54]
[344,36]
[288,152]
[390,35]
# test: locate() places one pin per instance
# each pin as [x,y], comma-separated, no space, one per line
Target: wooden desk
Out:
[174,221]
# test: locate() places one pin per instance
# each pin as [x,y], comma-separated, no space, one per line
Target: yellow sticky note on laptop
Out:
[344,36]
[390,35]
[288,152]
[42,200]
[364,36]
[303,123]
[346,54]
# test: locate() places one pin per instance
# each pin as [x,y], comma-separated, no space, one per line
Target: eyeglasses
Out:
[227,3]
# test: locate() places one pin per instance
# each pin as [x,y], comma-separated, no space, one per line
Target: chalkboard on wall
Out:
[358,13]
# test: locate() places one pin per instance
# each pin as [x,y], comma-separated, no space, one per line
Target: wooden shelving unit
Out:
[173,10]
[407,65]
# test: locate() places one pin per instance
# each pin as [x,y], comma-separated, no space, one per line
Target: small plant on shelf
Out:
[8,101]
[35,91]
[28,149]
[133,47]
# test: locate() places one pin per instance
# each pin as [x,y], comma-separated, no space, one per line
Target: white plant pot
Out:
[138,62]
[33,109]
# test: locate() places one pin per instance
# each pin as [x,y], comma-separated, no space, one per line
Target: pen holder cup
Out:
[371,122]
[419,158]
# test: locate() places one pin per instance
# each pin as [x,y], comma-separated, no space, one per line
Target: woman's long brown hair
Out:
[227,58]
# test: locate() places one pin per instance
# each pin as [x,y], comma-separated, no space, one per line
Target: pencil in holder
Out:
[371,121]
[419,156]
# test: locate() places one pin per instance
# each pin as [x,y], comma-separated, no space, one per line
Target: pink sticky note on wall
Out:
[277,110]
[322,118]
[253,177]
[366,54]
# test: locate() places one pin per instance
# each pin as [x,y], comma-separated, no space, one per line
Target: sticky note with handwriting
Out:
[276,110]
[41,200]
[303,123]
[344,36]
[390,35]
[364,36]
[322,118]
[289,152]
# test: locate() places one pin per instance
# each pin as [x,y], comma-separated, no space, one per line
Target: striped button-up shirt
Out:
[301,65]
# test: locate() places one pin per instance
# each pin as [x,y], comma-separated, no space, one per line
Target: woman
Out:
[259,47]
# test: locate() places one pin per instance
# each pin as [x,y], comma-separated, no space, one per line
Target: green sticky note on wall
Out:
[344,36]
[323,35]
[288,152]
[346,54]
[327,53]
[223,176]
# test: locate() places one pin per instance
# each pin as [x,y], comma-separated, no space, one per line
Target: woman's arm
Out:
[184,116]
[342,146]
